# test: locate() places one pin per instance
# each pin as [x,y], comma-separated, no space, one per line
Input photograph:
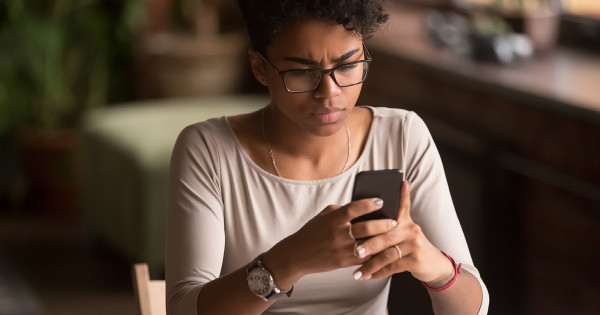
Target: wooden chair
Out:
[150,294]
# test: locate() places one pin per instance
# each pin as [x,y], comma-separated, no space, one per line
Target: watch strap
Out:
[275,291]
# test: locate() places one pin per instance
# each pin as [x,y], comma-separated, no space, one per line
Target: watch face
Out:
[260,281]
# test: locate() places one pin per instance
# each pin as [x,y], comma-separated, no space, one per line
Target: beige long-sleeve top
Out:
[224,210]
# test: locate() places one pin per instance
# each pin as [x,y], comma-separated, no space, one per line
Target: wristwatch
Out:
[261,282]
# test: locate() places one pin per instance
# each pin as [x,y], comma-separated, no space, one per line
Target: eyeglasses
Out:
[306,80]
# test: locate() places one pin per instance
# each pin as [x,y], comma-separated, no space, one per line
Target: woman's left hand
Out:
[414,253]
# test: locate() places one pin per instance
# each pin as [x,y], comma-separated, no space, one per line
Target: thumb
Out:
[404,210]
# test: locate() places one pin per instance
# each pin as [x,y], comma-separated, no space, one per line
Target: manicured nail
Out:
[367,277]
[394,223]
[378,202]
[357,275]
[361,252]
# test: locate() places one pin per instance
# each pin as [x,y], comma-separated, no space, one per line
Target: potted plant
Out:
[201,52]
[56,62]
[538,19]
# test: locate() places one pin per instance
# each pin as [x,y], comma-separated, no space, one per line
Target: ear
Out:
[258,66]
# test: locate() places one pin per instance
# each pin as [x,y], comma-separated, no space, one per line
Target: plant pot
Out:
[540,27]
[52,170]
[186,66]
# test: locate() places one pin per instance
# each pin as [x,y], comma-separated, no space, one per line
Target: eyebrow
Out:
[309,62]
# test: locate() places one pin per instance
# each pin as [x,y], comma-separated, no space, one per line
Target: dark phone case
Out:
[384,184]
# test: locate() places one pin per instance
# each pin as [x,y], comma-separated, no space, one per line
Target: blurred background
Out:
[94,92]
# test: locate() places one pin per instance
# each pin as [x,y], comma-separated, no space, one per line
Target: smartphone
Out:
[384,184]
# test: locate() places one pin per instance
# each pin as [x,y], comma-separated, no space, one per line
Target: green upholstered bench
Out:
[126,156]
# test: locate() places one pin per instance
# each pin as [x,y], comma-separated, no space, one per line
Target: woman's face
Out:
[313,45]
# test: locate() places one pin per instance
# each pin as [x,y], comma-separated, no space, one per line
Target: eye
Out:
[299,72]
[346,67]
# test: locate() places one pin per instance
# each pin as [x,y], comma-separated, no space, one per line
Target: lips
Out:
[328,116]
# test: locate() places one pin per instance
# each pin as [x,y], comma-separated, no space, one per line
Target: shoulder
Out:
[210,128]
[203,140]
[396,118]
[245,124]
[388,113]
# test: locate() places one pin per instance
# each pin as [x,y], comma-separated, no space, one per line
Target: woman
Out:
[259,212]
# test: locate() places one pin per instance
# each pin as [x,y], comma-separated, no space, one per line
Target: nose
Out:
[327,87]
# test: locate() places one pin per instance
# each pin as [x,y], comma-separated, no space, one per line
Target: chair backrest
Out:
[150,294]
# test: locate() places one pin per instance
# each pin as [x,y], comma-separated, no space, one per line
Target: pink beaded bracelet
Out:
[456,273]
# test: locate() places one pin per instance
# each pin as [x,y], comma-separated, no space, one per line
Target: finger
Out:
[329,209]
[376,263]
[355,259]
[379,243]
[372,227]
[398,266]
[404,210]
[346,257]
[360,207]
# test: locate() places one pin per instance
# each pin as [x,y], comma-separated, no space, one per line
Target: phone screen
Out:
[384,184]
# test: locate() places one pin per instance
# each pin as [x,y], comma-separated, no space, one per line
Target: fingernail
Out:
[394,223]
[361,252]
[357,275]
[367,277]
[378,202]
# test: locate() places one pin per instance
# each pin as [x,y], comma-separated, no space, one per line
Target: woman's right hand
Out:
[324,243]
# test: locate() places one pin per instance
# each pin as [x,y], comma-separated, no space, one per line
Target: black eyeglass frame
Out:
[322,72]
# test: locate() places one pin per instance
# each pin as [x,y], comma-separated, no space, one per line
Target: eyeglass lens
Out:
[308,79]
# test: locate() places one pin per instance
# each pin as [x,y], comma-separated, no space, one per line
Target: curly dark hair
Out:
[266,18]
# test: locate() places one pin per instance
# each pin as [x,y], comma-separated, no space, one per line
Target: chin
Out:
[328,129]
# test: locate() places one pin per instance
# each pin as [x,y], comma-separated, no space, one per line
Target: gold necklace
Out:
[273,155]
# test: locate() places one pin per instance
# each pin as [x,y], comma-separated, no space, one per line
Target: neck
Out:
[290,143]
[286,137]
